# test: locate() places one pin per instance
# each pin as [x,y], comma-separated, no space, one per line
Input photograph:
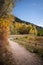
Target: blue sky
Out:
[30,11]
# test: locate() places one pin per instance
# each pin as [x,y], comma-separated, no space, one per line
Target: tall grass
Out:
[32,43]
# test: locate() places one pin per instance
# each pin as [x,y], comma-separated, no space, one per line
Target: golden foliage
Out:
[5,26]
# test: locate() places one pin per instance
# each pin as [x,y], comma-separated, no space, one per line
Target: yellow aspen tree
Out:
[5,22]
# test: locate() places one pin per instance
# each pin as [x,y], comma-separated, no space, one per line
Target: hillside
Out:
[22,27]
[21,21]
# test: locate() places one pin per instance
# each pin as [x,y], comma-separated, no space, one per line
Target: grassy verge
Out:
[31,43]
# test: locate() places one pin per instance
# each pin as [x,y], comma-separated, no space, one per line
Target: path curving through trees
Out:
[22,56]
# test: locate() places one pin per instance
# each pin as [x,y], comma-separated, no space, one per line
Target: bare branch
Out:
[6,6]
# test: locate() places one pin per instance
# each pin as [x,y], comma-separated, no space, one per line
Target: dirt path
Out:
[22,56]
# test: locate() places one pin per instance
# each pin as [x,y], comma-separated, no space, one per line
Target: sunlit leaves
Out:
[5,24]
[22,28]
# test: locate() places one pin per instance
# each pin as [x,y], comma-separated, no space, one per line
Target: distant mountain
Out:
[17,22]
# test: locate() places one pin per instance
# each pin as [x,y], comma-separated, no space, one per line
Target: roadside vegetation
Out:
[6,7]
[22,27]
[32,43]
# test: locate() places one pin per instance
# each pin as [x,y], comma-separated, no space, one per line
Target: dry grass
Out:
[31,43]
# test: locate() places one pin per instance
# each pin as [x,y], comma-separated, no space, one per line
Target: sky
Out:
[30,11]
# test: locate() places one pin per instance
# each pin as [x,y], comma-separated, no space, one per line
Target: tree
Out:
[40,32]
[33,30]
[5,21]
[6,6]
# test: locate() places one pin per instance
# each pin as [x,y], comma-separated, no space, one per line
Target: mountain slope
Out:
[23,27]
